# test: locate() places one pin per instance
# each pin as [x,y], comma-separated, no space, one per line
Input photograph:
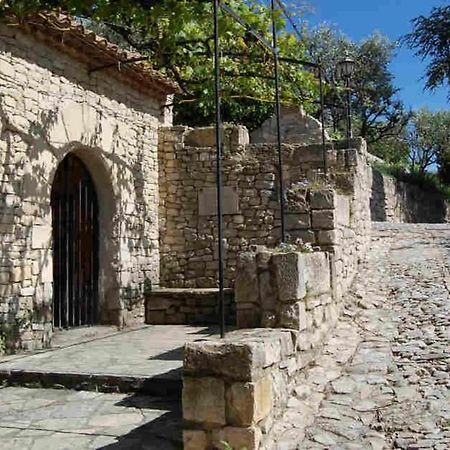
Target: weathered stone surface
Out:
[50,108]
[298,221]
[293,315]
[239,438]
[318,278]
[296,126]
[248,403]
[237,361]
[289,269]
[323,199]
[195,440]
[204,401]
[246,285]
[324,219]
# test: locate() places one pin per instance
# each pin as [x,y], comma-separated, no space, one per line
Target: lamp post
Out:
[344,70]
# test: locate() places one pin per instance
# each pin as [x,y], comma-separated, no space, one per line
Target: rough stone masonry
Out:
[50,106]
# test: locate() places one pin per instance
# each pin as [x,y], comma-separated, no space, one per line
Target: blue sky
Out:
[359,18]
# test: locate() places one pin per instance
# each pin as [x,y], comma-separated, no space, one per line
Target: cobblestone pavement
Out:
[34,419]
[383,379]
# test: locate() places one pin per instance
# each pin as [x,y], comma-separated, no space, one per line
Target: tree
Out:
[177,37]
[429,142]
[430,39]
[377,114]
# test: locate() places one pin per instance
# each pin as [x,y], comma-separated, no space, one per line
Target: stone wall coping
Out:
[242,355]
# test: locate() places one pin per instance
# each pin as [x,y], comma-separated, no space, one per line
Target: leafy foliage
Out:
[377,114]
[430,39]
[177,37]
[425,180]
[429,139]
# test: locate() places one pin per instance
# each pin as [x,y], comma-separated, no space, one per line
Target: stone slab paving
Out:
[383,378]
[121,361]
[34,419]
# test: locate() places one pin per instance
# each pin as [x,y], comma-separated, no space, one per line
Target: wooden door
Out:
[75,245]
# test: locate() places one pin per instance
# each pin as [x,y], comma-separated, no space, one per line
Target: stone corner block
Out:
[248,403]
[290,275]
[318,278]
[226,359]
[204,401]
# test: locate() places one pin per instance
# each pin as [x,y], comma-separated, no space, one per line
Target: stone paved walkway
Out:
[35,419]
[152,353]
[383,380]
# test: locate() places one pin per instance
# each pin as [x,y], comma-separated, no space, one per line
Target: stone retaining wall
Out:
[188,232]
[233,389]
[396,201]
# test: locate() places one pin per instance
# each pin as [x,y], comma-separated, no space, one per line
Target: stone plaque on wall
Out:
[207,201]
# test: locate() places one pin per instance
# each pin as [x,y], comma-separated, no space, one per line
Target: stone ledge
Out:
[241,356]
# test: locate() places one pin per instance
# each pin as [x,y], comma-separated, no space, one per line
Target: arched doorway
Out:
[75,245]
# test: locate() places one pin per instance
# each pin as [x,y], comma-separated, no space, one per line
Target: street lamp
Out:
[344,70]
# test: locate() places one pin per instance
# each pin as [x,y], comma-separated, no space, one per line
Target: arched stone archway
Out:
[89,174]
[75,231]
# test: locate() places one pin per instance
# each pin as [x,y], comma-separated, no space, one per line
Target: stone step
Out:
[148,359]
[185,306]
[168,387]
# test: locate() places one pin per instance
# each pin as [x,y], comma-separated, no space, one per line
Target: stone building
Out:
[78,179]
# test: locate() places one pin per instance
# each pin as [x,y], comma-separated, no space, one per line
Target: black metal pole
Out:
[219,166]
[349,113]
[278,117]
[322,119]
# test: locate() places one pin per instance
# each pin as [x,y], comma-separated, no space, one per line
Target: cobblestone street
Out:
[383,378]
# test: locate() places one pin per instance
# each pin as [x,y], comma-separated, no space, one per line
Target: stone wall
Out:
[233,389]
[293,289]
[50,106]
[187,306]
[188,233]
[396,201]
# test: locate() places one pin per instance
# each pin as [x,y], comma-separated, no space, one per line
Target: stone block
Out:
[195,440]
[238,438]
[248,403]
[327,237]
[236,361]
[317,273]
[204,401]
[246,284]
[41,237]
[343,210]
[293,316]
[289,269]
[323,199]
[324,219]
[297,221]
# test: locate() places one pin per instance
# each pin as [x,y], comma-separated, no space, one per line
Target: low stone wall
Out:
[187,307]
[233,389]
[396,201]
[286,290]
